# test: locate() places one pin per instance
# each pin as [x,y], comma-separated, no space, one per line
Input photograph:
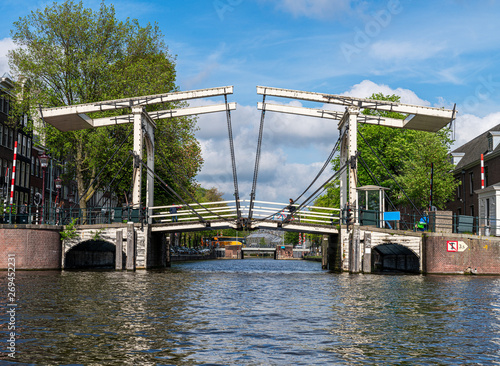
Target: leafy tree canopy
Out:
[70,55]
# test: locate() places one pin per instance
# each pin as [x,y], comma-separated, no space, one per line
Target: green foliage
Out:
[97,234]
[291,238]
[408,155]
[262,243]
[69,231]
[208,195]
[70,55]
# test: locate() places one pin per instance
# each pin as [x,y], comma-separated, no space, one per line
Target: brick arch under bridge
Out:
[108,234]
[353,250]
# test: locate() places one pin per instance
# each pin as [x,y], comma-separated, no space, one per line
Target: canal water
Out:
[252,312]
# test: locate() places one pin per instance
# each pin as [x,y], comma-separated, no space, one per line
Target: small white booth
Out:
[489,210]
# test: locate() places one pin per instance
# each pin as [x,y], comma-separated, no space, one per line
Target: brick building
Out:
[470,198]
[28,178]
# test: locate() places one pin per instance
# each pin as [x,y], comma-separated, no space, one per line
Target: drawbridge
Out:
[300,215]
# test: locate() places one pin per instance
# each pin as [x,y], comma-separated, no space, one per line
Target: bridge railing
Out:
[434,221]
[182,213]
[63,216]
[276,211]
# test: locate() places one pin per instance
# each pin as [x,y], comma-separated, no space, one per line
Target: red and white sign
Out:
[452,246]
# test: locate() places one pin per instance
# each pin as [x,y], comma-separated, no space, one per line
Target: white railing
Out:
[273,211]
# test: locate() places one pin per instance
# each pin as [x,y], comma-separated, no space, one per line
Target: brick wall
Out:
[34,248]
[482,255]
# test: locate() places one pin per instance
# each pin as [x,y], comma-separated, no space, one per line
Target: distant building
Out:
[470,198]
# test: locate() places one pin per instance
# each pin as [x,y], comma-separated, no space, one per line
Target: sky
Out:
[431,53]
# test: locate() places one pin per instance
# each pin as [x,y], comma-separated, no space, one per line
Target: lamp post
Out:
[58,182]
[44,163]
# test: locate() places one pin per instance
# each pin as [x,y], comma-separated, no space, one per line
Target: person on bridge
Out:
[173,210]
[291,208]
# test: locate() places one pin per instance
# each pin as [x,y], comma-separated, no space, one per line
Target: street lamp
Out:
[58,182]
[44,163]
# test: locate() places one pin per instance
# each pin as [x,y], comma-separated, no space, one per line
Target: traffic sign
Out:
[452,246]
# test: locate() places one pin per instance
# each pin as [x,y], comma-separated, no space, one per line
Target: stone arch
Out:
[394,257]
[90,254]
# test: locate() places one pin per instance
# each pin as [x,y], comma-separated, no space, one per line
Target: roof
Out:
[474,148]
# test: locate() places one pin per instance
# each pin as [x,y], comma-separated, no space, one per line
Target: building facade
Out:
[472,198]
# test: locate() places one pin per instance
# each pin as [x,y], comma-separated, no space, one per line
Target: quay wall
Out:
[35,247]
[461,254]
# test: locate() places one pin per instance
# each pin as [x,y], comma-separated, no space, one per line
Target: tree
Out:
[291,238]
[408,155]
[73,55]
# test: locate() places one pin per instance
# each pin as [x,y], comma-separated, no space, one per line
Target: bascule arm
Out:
[323,113]
[69,118]
[190,111]
[418,117]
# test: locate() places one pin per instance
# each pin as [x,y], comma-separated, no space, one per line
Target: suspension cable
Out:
[257,158]
[339,171]
[327,161]
[165,185]
[335,175]
[177,180]
[233,160]
[112,181]
[102,169]
[387,170]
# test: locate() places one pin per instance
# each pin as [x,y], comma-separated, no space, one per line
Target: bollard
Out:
[119,250]
[130,247]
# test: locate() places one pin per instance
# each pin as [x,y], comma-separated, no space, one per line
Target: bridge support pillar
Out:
[367,255]
[354,250]
[119,250]
[131,247]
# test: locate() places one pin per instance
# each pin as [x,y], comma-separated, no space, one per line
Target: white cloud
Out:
[366,88]
[469,126]
[6,44]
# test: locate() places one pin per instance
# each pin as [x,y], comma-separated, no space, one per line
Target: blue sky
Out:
[433,53]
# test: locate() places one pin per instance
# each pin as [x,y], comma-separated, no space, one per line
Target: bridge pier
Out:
[131,247]
[119,250]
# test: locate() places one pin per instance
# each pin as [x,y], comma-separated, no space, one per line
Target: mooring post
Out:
[130,247]
[367,256]
[119,250]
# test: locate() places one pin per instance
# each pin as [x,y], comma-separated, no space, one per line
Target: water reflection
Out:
[255,312]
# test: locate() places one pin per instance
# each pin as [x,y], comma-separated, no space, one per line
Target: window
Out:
[21,174]
[459,211]
[1,134]
[16,179]
[471,184]
[472,210]
[5,136]
[11,138]
[27,175]
[485,176]
[24,145]
[28,148]
[19,143]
